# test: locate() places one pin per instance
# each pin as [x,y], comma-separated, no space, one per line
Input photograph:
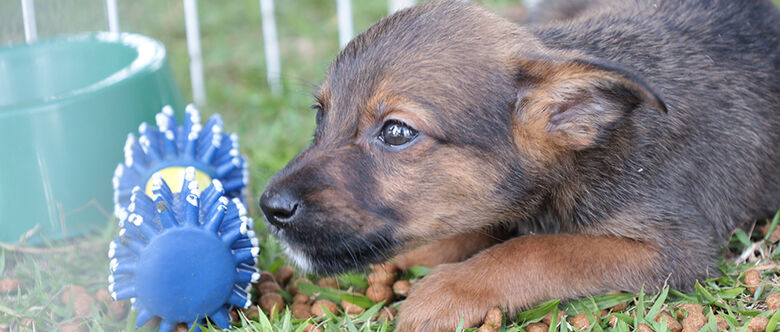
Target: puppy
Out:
[614,151]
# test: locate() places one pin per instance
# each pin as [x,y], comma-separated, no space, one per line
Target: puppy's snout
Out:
[280,207]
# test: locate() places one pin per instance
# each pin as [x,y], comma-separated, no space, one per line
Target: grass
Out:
[272,130]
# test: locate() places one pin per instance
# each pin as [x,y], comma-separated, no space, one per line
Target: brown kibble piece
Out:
[537,327]
[721,322]
[643,328]
[351,308]
[694,321]
[284,274]
[265,276]
[758,324]
[687,329]
[689,308]
[72,290]
[493,318]
[301,310]
[380,293]
[104,296]
[773,300]
[268,287]
[77,326]
[329,282]
[580,321]
[388,267]
[548,318]
[319,305]
[671,323]
[82,304]
[775,234]
[233,315]
[2,329]
[294,285]
[271,302]
[181,327]
[311,328]
[380,277]
[387,313]
[402,287]
[301,298]
[251,312]
[752,280]
[117,309]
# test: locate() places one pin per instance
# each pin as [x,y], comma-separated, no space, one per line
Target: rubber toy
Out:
[183,256]
[167,149]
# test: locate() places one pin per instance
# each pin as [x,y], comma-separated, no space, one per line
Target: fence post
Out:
[193,47]
[396,5]
[271,45]
[344,8]
[28,18]
[112,16]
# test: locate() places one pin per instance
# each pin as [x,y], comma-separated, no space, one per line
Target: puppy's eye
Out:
[318,108]
[397,133]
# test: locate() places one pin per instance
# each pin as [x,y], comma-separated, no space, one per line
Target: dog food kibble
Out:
[234,315]
[721,322]
[694,321]
[380,293]
[319,307]
[268,287]
[329,282]
[385,267]
[775,234]
[301,310]
[689,308]
[493,318]
[580,321]
[671,323]
[73,289]
[752,280]
[294,285]
[537,327]
[402,287]
[271,302]
[548,318]
[387,313]
[351,308]
[77,326]
[82,304]
[251,312]
[643,328]
[9,285]
[265,276]
[181,327]
[301,298]
[773,300]
[284,274]
[758,324]
[380,277]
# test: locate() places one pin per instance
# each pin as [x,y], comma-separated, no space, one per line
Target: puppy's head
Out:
[440,119]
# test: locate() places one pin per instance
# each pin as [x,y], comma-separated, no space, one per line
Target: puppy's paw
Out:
[438,301]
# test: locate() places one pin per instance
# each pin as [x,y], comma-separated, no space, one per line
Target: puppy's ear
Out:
[573,104]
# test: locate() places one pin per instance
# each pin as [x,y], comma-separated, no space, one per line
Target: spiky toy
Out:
[167,149]
[183,256]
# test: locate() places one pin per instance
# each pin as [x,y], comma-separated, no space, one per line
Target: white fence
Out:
[270,40]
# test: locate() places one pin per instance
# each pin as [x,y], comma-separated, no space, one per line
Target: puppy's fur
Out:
[613,151]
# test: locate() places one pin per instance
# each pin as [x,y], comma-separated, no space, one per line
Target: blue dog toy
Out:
[168,149]
[181,256]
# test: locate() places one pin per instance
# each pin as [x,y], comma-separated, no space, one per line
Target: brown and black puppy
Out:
[614,151]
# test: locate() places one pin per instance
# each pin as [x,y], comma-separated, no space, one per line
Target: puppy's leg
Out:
[526,270]
[450,250]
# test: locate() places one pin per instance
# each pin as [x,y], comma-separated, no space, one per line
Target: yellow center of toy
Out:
[174,177]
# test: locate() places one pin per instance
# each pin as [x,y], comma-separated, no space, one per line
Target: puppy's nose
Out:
[279,207]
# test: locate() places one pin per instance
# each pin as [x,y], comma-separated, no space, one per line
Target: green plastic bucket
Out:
[66,107]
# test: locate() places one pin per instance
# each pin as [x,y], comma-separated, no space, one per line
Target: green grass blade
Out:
[659,302]
[772,226]
[538,312]
[774,320]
